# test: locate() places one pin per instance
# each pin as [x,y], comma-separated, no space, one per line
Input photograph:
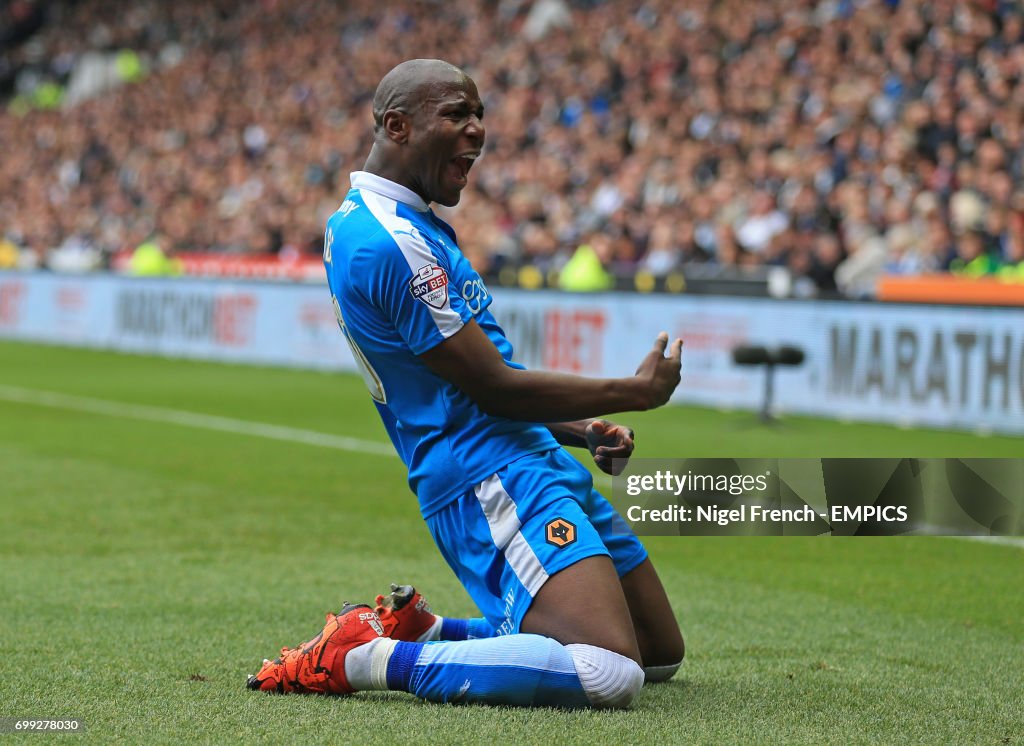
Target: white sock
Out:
[609,679]
[366,667]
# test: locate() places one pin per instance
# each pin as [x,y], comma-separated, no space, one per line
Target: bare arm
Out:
[611,445]
[470,361]
[572,434]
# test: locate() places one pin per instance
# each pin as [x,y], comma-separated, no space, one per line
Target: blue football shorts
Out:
[536,516]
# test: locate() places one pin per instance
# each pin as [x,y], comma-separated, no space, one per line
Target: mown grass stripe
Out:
[165,415]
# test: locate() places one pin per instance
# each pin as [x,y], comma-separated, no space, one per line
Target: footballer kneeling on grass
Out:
[574,614]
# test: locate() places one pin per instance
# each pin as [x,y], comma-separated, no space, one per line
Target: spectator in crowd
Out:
[972,260]
[857,273]
[823,261]
[752,131]
[665,246]
[585,271]
[1012,269]
[759,228]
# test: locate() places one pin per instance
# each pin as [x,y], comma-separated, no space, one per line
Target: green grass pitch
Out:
[147,566]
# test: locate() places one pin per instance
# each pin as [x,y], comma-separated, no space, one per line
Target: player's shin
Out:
[464,629]
[526,670]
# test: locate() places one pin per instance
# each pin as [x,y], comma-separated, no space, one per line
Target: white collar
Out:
[388,188]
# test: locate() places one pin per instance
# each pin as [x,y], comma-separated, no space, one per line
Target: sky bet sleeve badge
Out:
[430,285]
[560,532]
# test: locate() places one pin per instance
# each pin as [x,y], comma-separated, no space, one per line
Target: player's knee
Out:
[658,674]
[664,665]
[679,651]
[609,679]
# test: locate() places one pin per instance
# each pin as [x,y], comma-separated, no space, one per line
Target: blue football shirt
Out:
[400,286]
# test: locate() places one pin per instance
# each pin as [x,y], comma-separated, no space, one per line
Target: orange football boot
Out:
[404,613]
[318,666]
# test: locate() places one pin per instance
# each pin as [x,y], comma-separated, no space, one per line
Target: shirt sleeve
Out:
[413,289]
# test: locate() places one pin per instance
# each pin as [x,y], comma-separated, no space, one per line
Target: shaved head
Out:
[428,129]
[408,85]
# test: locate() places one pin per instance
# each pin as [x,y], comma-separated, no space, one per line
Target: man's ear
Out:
[396,126]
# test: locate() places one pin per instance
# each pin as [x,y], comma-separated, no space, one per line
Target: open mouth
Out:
[460,165]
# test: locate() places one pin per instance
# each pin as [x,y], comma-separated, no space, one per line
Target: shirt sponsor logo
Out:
[474,292]
[430,285]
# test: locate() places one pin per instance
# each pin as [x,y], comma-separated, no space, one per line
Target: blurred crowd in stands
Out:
[838,138]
